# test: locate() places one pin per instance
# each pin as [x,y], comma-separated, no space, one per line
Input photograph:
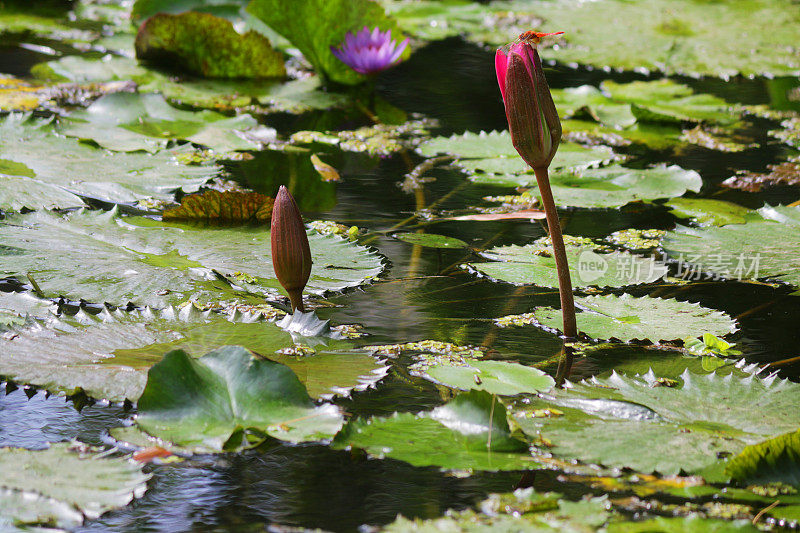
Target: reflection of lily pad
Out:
[534,263]
[62,486]
[206,403]
[765,247]
[107,257]
[57,169]
[469,433]
[628,318]
[650,424]
[108,356]
[207,45]
[126,122]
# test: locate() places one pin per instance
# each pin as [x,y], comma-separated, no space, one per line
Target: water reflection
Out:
[309,486]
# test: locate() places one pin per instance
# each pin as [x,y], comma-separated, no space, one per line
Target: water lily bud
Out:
[291,255]
[532,117]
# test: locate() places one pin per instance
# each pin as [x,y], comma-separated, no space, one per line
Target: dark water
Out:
[423,296]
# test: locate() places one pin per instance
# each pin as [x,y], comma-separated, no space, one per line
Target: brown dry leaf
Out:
[327,172]
[147,455]
[223,207]
[529,214]
[787,173]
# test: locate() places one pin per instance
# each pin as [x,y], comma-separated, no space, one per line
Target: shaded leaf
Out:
[431,240]
[127,122]
[630,318]
[468,433]
[215,206]
[207,45]
[202,403]
[787,173]
[774,460]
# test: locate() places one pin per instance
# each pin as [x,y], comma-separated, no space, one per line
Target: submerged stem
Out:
[559,253]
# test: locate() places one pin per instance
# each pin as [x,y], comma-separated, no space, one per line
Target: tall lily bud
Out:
[291,255]
[532,117]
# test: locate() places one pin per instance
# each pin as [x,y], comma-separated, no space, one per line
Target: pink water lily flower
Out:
[368,52]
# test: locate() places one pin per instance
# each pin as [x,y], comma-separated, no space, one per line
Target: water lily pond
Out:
[153,376]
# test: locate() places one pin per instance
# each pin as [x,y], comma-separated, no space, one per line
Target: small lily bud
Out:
[291,255]
[532,117]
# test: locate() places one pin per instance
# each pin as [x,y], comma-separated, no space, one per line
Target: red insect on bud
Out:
[291,255]
[532,117]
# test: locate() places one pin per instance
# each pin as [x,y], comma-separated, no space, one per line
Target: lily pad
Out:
[105,257]
[207,45]
[431,240]
[708,212]
[666,426]
[314,26]
[107,356]
[63,485]
[54,172]
[229,206]
[469,433]
[630,318]
[589,266]
[495,377]
[690,524]
[126,122]
[208,403]
[764,247]
[774,460]
[143,9]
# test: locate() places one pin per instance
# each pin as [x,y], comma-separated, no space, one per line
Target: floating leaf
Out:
[143,9]
[62,485]
[522,214]
[589,266]
[126,122]
[630,318]
[431,240]
[314,26]
[108,356]
[774,460]
[764,247]
[16,95]
[327,172]
[786,173]
[207,45]
[708,212]
[64,169]
[690,524]
[215,206]
[667,426]
[206,403]
[468,433]
[495,377]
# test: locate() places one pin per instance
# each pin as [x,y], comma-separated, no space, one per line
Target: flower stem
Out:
[562,267]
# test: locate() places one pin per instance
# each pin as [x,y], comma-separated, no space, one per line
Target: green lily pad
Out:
[589,266]
[708,212]
[683,36]
[296,96]
[65,169]
[431,240]
[107,356]
[207,45]
[667,426]
[61,486]
[495,377]
[469,433]
[207,403]
[313,26]
[630,318]
[143,9]
[763,247]
[127,122]
[774,460]
[105,257]
[690,524]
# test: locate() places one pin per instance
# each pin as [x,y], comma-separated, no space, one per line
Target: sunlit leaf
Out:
[63,485]
[495,377]
[215,206]
[431,240]
[630,318]
[708,212]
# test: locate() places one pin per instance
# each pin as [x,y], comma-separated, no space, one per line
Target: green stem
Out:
[559,253]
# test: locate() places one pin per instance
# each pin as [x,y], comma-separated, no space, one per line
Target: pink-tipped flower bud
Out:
[532,117]
[291,255]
